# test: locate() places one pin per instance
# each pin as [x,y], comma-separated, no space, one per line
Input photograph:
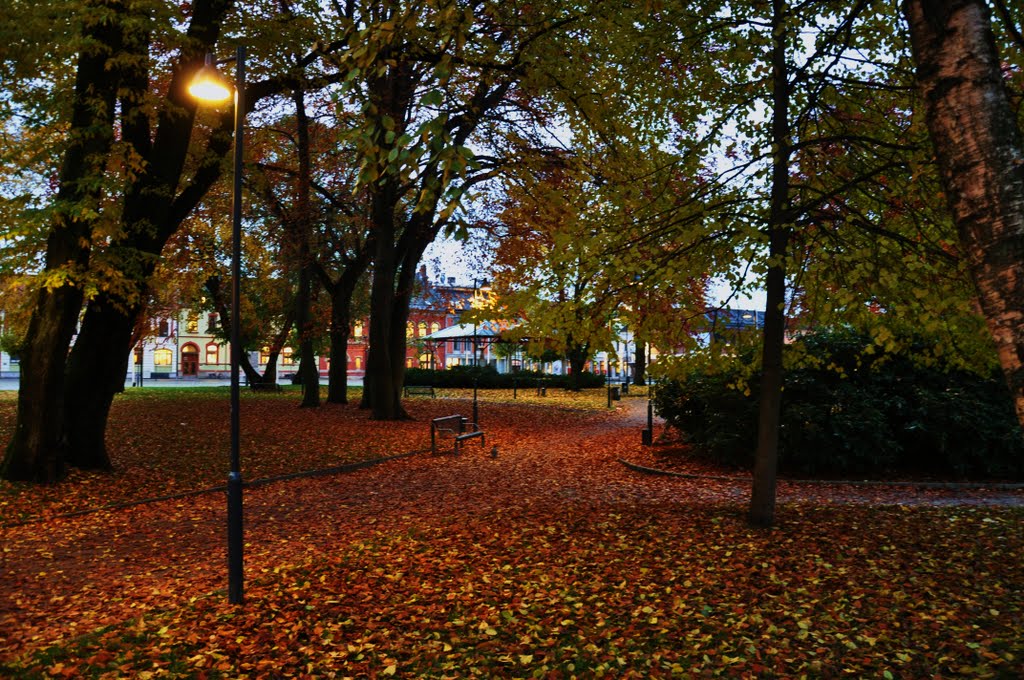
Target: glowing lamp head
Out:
[208,85]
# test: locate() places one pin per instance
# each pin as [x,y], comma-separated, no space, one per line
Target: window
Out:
[456,345]
[264,355]
[409,330]
[162,357]
[452,361]
[192,324]
[359,363]
[211,323]
[138,354]
[426,360]
[163,328]
[286,356]
[212,353]
[358,332]
[422,328]
[410,362]
[435,327]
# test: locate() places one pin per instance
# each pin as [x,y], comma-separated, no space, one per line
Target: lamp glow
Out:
[208,84]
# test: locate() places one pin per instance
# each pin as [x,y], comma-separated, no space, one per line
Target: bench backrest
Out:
[448,423]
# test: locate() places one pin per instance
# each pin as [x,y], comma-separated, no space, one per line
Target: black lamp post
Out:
[209,86]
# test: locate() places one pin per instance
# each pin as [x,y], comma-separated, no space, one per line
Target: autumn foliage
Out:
[551,559]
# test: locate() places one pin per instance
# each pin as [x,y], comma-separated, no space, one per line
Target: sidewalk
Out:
[11,384]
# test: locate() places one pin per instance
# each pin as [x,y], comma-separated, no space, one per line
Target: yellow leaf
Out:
[391,670]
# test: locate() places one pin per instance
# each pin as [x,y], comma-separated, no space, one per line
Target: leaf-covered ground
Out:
[550,560]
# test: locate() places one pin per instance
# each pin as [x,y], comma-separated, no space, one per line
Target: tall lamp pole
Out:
[208,85]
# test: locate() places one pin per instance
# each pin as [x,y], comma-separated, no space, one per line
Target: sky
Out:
[447,258]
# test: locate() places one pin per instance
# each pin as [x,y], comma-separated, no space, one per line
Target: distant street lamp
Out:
[208,85]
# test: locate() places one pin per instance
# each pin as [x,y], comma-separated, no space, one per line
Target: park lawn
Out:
[578,593]
[172,440]
[548,560]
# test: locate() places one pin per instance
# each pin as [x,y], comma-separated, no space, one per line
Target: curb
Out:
[951,486]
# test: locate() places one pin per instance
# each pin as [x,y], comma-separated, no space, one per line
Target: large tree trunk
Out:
[152,213]
[978,143]
[762,499]
[34,452]
[96,373]
[379,392]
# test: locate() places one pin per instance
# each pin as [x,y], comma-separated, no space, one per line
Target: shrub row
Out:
[871,417]
[489,378]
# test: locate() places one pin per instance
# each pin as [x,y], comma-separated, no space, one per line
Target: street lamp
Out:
[209,86]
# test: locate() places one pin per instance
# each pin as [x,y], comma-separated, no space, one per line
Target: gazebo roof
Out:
[485,330]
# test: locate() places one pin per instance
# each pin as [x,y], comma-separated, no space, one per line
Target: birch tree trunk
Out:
[977,141]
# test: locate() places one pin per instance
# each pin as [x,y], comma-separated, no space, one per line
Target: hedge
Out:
[875,416]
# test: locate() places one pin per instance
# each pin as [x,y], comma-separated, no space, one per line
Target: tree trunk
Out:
[337,371]
[379,392]
[640,364]
[577,356]
[980,152]
[152,213]
[341,318]
[762,499]
[96,372]
[309,374]
[34,452]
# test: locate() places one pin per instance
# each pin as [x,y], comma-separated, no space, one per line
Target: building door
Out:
[189,360]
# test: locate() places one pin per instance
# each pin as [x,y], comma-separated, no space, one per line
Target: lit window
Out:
[162,357]
[422,328]
[359,363]
[286,356]
[192,325]
[435,327]
[359,329]
[264,355]
[212,353]
[410,363]
[409,330]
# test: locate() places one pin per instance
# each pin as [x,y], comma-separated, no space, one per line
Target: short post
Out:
[515,386]
[609,395]
[476,418]
[647,437]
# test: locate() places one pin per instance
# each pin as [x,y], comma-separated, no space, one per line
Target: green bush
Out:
[489,378]
[857,414]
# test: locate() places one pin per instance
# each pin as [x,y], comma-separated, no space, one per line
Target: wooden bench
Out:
[454,427]
[265,387]
[419,389]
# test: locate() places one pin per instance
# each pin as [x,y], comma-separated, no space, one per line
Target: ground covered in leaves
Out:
[550,560]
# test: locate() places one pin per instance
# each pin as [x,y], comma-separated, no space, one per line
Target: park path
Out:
[72,575]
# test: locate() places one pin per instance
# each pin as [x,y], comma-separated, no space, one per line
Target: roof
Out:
[466,331]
